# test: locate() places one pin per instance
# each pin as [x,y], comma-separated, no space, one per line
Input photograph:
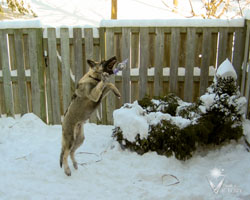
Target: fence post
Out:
[245,89]
[246,52]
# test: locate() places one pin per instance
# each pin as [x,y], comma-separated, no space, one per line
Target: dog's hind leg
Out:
[79,138]
[67,144]
[65,162]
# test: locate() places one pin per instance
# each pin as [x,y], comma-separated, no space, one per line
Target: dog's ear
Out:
[91,63]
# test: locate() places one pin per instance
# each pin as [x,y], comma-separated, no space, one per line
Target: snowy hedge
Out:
[170,126]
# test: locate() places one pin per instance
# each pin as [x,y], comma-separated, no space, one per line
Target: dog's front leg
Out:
[110,87]
[96,93]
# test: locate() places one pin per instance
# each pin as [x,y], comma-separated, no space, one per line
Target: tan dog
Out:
[90,90]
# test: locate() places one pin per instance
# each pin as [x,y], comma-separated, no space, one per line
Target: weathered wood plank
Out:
[7,85]
[96,116]
[53,69]
[134,64]
[65,53]
[206,48]
[35,90]
[159,56]
[110,100]
[238,52]
[41,73]
[135,50]
[174,60]
[48,84]
[222,50]
[89,45]
[190,64]
[78,58]
[126,90]
[144,61]
[2,102]
[22,91]
[13,66]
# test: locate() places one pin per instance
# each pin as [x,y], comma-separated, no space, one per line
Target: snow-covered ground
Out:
[30,168]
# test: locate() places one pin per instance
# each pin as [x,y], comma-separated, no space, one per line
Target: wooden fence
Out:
[40,67]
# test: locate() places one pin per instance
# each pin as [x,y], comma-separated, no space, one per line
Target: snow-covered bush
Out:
[170,126]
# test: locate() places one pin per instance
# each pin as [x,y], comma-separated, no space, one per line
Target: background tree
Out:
[18,6]
[114,9]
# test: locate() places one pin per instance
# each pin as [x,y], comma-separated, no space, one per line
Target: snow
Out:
[21,23]
[174,23]
[30,168]
[154,118]
[208,100]
[131,121]
[226,69]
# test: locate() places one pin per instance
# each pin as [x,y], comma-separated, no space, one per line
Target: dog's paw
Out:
[75,165]
[117,93]
[67,172]
[105,76]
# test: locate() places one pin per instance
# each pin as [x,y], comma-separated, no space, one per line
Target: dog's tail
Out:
[61,158]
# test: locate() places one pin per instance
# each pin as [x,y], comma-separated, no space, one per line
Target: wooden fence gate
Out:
[40,67]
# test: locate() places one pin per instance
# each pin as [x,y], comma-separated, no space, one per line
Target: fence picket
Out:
[18,36]
[7,84]
[126,90]
[206,42]
[190,63]
[65,55]
[89,45]
[159,52]
[89,54]
[35,90]
[222,50]
[110,100]
[174,60]
[78,59]
[41,73]
[238,52]
[53,70]
[144,61]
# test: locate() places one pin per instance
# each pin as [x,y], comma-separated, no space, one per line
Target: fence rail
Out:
[40,67]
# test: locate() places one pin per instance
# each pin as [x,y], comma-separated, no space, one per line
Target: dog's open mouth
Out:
[109,64]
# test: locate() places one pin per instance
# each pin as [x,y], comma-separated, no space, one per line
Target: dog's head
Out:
[103,66]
